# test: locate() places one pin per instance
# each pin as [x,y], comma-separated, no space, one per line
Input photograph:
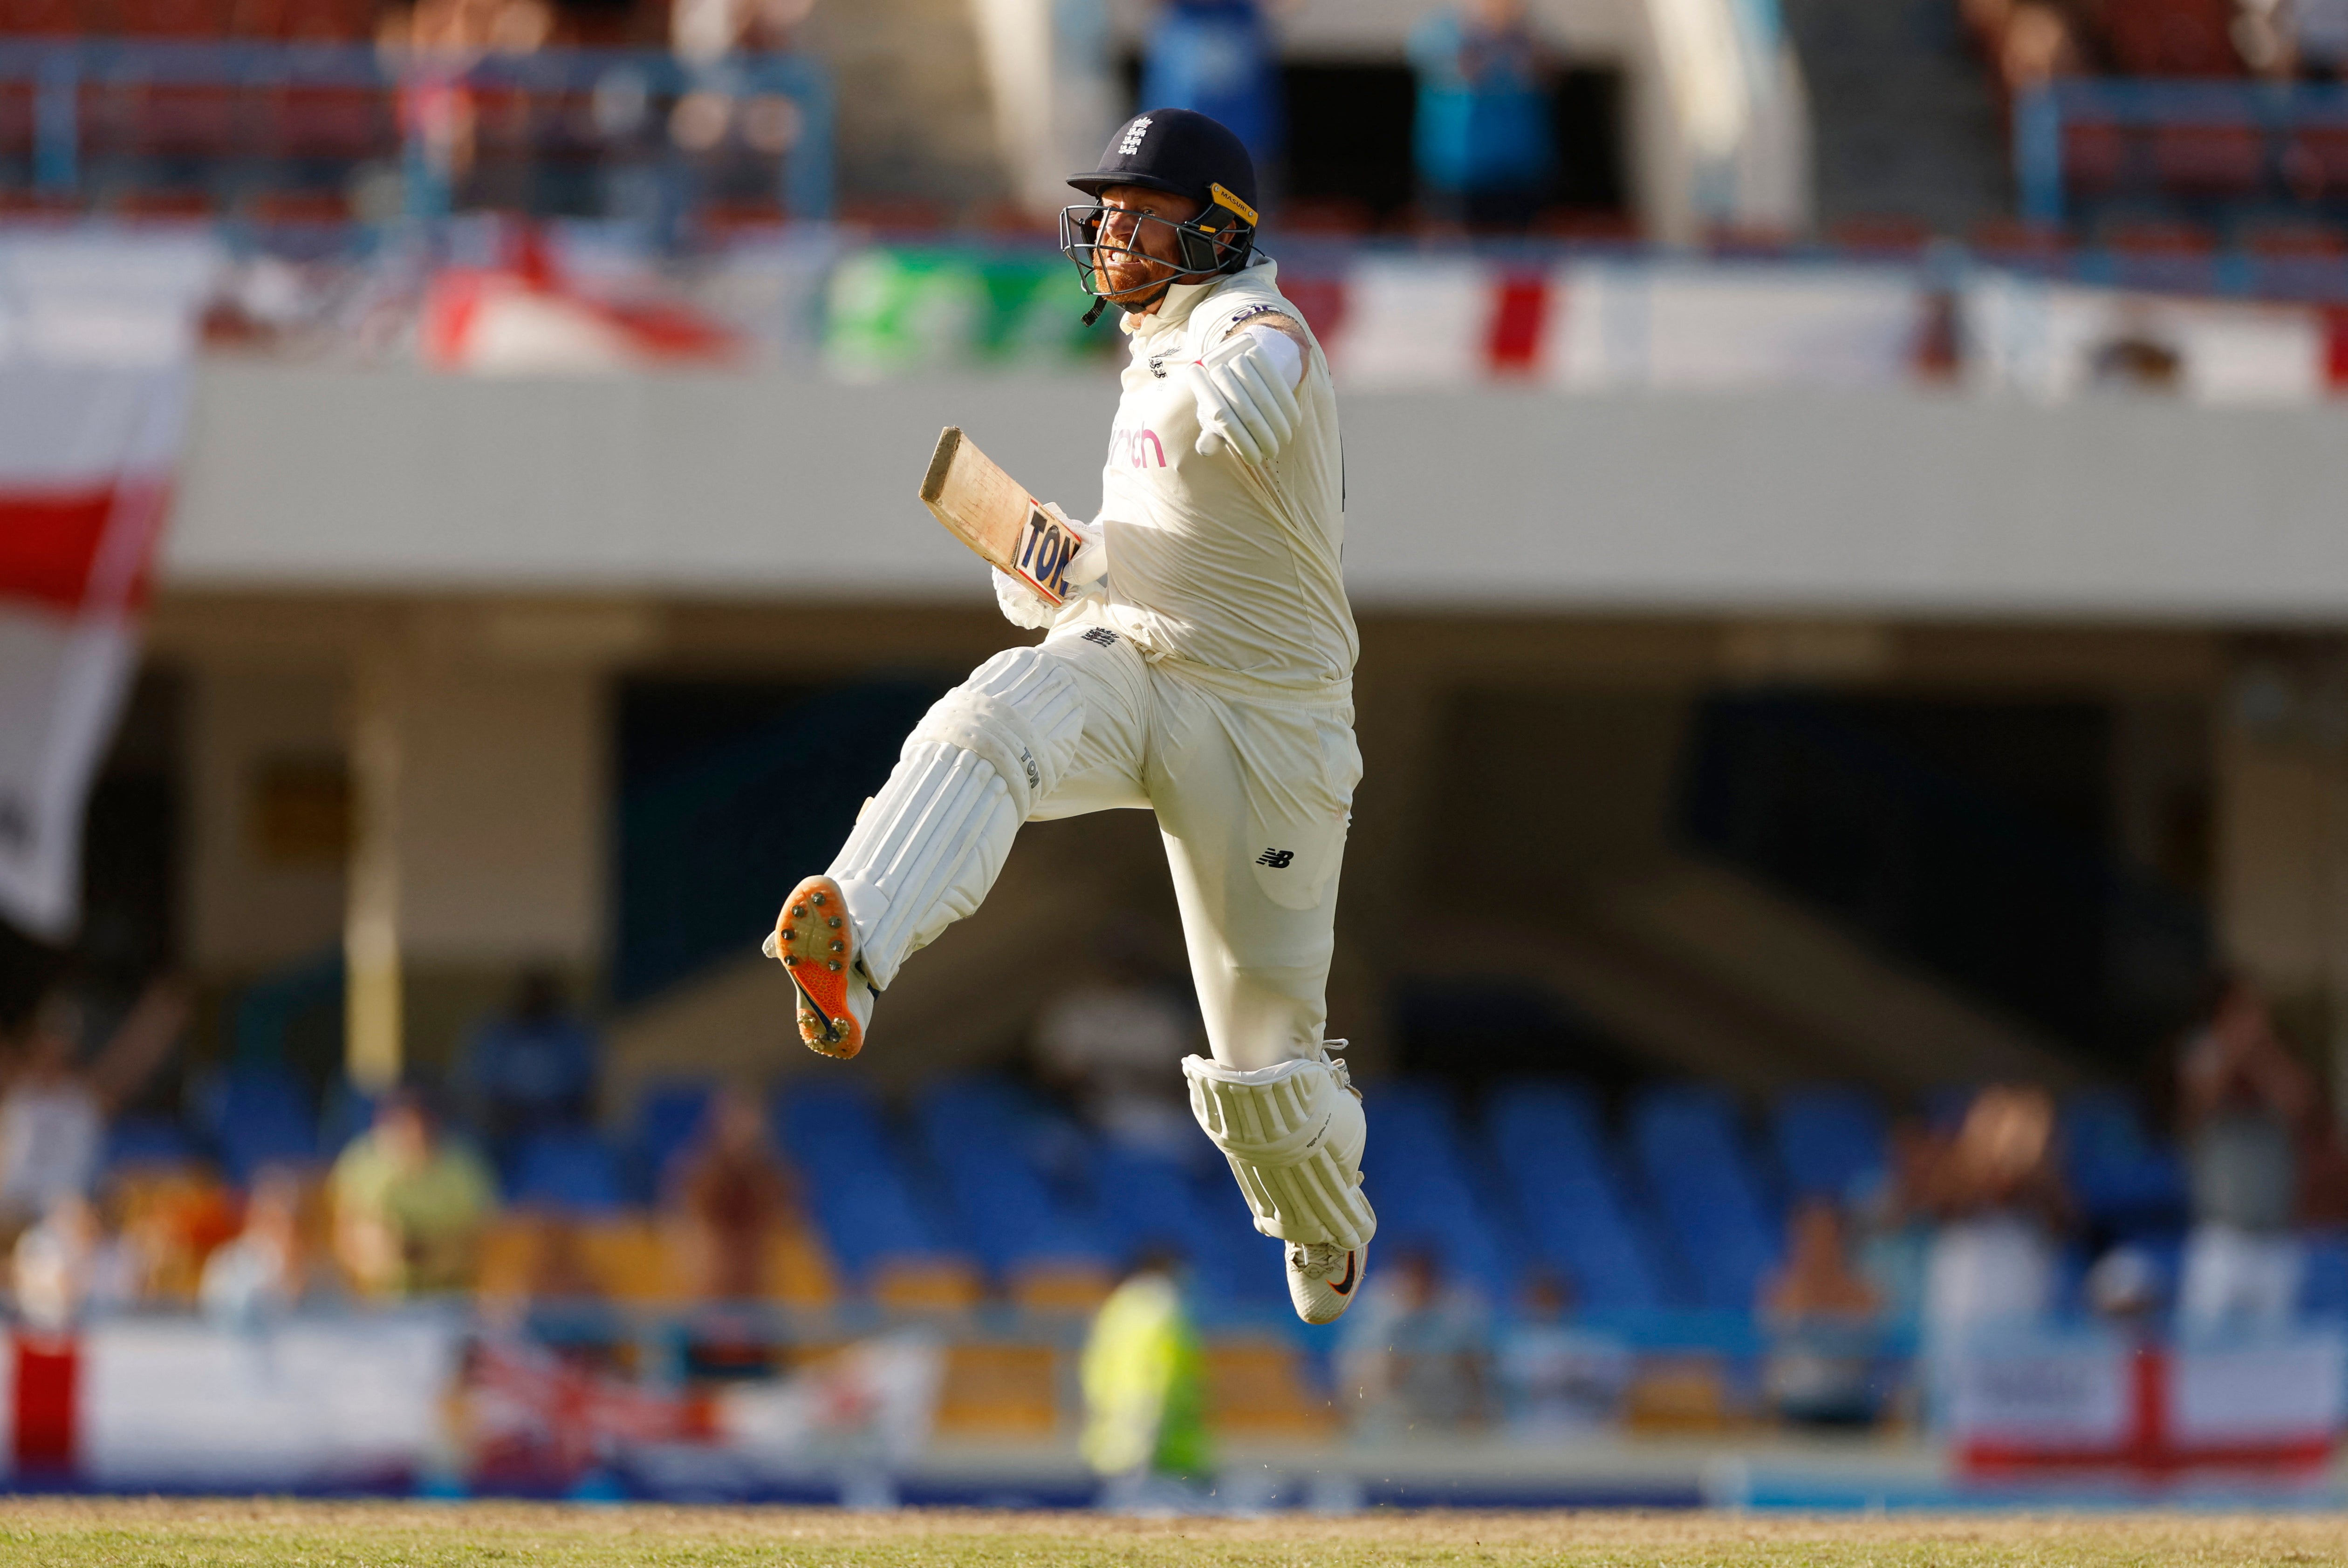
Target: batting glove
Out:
[1247,396]
[1022,606]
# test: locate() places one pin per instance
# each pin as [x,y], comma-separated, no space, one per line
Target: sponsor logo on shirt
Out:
[1134,446]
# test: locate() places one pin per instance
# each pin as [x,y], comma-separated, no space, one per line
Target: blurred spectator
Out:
[1555,1379]
[1817,1280]
[2123,1288]
[2040,44]
[2323,1174]
[1820,1370]
[409,1204]
[174,1221]
[2264,34]
[532,1067]
[1409,1351]
[2028,42]
[566,1307]
[2320,38]
[1218,57]
[1114,1044]
[733,136]
[1993,1261]
[1482,139]
[54,1110]
[1145,1382]
[728,1194]
[435,43]
[2246,1106]
[68,1264]
[266,1268]
[701,31]
[1895,1218]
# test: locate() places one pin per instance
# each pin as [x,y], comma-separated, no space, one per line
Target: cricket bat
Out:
[988,510]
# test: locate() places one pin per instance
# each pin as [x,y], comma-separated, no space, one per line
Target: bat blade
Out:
[992,513]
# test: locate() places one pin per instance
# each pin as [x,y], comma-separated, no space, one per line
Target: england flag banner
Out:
[97,340]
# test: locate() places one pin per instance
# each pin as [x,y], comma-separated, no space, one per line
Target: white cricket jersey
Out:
[1215,560]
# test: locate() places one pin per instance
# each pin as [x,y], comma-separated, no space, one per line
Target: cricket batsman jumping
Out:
[1201,666]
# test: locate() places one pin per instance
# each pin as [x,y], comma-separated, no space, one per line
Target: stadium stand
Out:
[261,1117]
[2127,1184]
[980,1134]
[145,1141]
[567,1170]
[1549,1141]
[668,1114]
[1426,1198]
[862,1203]
[1828,1141]
[1690,1150]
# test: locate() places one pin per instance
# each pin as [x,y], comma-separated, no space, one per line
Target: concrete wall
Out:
[249,907]
[772,485]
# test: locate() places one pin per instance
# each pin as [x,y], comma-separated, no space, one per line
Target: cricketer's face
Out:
[1137,255]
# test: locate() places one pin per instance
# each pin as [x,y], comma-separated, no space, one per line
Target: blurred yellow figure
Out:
[409,1205]
[1145,1383]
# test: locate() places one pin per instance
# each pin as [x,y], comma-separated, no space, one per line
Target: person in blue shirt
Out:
[1218,57]
[532,1067]
[1482,138]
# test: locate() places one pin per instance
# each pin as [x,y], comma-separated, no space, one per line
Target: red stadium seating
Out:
[2095,157]
[1886,236]
[2171,37]
[2208,159]
[44,18]
[171,18]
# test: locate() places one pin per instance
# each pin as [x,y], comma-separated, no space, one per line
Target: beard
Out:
[1130,275]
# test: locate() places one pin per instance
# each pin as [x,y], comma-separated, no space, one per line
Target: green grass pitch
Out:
[71,1533]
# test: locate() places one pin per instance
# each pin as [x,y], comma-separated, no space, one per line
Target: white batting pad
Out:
[1293,1135]
[1020,712]
[928,846]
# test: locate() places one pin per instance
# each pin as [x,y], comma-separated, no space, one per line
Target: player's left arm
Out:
[1247,385]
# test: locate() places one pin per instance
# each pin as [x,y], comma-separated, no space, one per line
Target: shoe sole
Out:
[1344,1292]
[816,943]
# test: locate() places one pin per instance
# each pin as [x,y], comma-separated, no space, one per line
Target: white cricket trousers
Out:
[1252,785]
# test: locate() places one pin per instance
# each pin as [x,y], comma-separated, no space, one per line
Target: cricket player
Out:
[1202,668]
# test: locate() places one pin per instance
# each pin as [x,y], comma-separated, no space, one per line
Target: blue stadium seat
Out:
[856,1183]
[1146,1199]
[1419,1184]
[1829,1140]
[349,1113]
[148,1142]
[2323,1288]
[2126,1183]
[1550,1143]
[1239,1264]
[669,1115]
[1688,1149]
[979,1133]
[263,1117]
[571,1169]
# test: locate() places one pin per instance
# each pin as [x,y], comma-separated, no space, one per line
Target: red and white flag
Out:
[97,336]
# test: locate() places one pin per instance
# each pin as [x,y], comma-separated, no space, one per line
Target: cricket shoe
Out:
[1323,1279]
[816,943]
